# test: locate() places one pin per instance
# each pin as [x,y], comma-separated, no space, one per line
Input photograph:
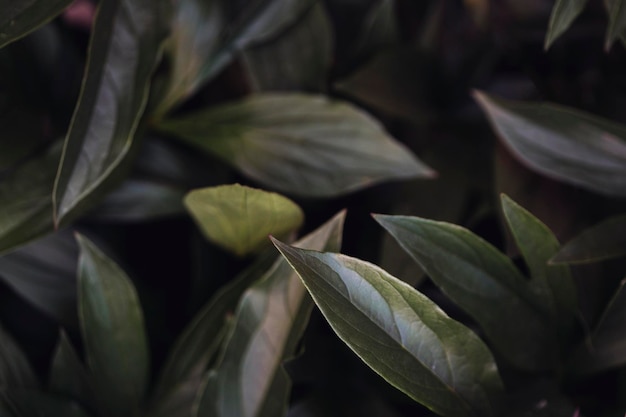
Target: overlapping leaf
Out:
[401,334]
[562,143]
[68,375]
[563,15]
[19,18]
[483,282]
[15,370]
[301,144]
[124,50]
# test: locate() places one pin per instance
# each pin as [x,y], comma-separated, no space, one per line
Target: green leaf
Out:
[5,408]
[30,403]
[268,324]
[200,340]
[605,240]
[379,28]
[562,143]
[240,218]
[617,22]
[124,50]
[563,15]
[297,60]
[44,273]
[206,35]
[181,401]
[113,331]
[15,370]
[553,285]
[19,18]
[401,334]
[25,204]
[484,283]
[301,144]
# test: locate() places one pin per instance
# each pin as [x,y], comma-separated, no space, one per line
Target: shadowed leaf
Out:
[564,12]
[20,17]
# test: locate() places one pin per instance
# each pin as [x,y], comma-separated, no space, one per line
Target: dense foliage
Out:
[173,179]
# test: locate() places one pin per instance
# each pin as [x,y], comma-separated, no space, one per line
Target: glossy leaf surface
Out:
[240,218]
[301,144]
[268,324]
[113,331]
[401,334]
[562,143]
[484,283]
[124,50]
[564,12]
[19,18]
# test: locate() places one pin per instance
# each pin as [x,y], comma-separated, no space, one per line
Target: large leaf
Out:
[401,334]
[562,143]
[483,282]
[605,240]
[15,370]
[553,284]
[124,50]
[269,322]
[44,273]
[240,218]
[207,34]
[19,18]
[563,15]
[300,144]
[113,331]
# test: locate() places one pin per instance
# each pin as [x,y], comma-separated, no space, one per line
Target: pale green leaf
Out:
[250,380]
[484,283]
[125,48]
[21,17]
[563,15]
[562,143]
[401,334]
[113,331]
[302,144]
[240,218]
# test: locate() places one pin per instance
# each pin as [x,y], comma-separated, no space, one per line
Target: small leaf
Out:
[15,370]
[240,218]
[562,143]
[401,334]
[113,331]
[563,15]
[484,283]
[19,18]
[617,22]
[605,240]
[553,285]
[302,144]
[124,50]
[249,380]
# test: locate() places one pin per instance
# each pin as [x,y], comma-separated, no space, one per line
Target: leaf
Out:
[5,409]
[15,370]
[240,218]
[379,28]
[401,334]
[44,273]
[19,18]
[484,283]
[297,60]
[30,403]
[123,52]
[562,143]
[563,15]
[605,240]
[553,285]
[113,331]
[249,380]
[617,22]
[301,144]
[25,205]
[180,402]
[207,35]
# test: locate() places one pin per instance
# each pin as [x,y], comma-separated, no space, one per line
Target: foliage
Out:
[153,150]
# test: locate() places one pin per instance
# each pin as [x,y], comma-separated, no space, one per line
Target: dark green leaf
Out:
[484,283]
[207,34]
[379,29]
[553,285]
[297,60]
[617,22]
[563,15]
[401,334]
[15,370]
[29,403]
[605,240]
[44,273]
[240,218]
[268,324]
[113,331]
[124,50]
[301,144]
[5,408]
[20,17]
[562,143]
[181,401]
